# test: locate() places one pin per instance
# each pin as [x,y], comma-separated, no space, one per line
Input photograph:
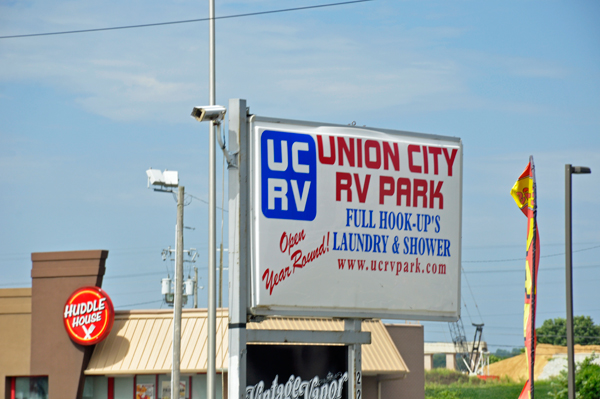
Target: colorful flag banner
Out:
[524,194]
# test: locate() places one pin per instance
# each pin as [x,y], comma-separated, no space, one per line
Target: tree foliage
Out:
[554,331]
[439,360]
[587,381]
[502,354]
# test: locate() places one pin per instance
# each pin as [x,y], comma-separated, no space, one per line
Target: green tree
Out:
[502,354]
[587,381]
[554,331]
[439,360]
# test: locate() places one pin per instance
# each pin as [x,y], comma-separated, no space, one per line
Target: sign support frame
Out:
[354,361]
[238,247]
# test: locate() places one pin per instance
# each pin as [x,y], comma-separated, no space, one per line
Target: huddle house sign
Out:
[347,221]
[88,315]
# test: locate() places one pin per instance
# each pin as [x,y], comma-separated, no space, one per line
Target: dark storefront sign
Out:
[297,372]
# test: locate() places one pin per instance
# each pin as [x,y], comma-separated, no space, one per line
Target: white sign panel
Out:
[355,222]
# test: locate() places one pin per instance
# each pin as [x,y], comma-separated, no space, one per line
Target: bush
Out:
[449,377]
[587,381]
[444,377]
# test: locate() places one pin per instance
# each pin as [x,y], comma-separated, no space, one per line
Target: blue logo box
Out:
[288,175]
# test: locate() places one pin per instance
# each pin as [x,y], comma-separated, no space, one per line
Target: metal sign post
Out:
[238,248]
[354,361]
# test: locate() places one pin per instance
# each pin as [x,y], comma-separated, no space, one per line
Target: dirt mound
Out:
[515,368]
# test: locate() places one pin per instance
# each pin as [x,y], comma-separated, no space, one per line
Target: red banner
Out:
[524,194]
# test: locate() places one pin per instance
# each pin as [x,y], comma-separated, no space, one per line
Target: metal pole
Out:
[239,143]
[220,303]
[354,361]
[569,171]
[212,216]
[212,242]
[569,283]
[178,298]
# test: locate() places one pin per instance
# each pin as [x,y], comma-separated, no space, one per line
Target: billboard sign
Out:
[293,372]
[354,222]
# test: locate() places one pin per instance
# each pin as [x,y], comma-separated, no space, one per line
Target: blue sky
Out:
[83,116]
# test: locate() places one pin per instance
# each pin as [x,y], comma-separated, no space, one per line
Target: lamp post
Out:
[570,170]
[214,114]
[170,179]
[212,218]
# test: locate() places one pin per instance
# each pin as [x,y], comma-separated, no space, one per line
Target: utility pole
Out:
[175,374]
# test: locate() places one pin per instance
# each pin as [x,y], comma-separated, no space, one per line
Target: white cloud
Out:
[123,75]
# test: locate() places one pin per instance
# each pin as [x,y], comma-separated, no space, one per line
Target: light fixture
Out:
[168,178]
[214,113]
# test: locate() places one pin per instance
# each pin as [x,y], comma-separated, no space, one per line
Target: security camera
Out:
[214,113]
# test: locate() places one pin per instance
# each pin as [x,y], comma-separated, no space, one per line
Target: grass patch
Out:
[495,390]
[448,384]
[446,377]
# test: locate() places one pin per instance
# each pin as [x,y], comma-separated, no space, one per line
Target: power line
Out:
[556,244]
[186,21]
[520,270]
[140,303]
[472,296]
[133,275]
[206,202]
[510,260]
[540,313]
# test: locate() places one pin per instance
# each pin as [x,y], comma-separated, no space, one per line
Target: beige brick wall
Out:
[15,334]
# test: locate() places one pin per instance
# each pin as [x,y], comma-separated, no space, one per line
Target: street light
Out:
[570,170]
[214,114]
[169,179]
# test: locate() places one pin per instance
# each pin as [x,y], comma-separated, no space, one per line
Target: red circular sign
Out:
[88,315]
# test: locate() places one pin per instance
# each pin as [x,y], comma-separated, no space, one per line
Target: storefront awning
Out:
[140,343]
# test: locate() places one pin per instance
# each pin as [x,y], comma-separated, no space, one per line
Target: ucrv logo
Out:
[288,175]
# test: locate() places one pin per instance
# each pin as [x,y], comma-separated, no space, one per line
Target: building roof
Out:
[15,301]
[140,343]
